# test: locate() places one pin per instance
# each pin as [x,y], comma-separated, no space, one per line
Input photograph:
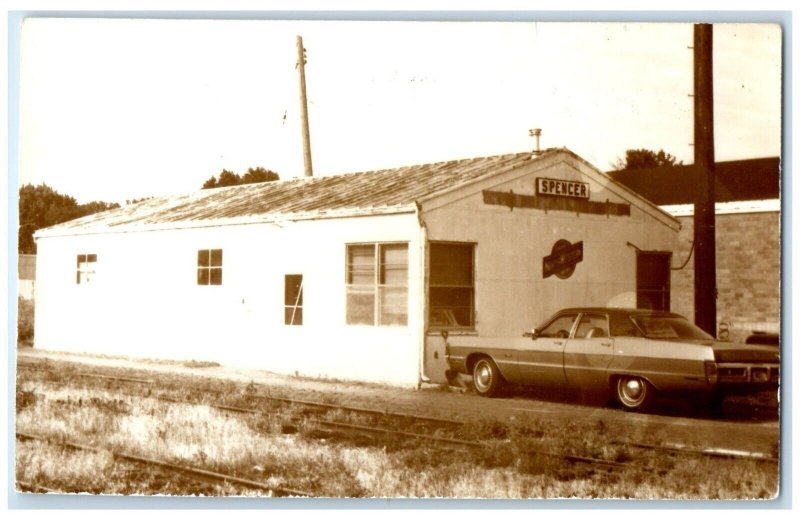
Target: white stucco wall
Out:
[145,301]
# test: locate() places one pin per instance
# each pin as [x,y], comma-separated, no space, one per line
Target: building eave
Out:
[728,208]
[276,219]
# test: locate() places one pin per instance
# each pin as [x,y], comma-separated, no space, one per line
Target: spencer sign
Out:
[562,188]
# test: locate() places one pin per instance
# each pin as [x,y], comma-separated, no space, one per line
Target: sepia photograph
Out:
[295,259]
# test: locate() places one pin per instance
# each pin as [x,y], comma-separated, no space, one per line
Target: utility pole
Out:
[705,268]
[301,68]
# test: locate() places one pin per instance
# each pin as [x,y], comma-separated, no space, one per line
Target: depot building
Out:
[352,276]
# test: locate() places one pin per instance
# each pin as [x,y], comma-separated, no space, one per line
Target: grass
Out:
[200,364]
[72,471]
[25,314]
[289,449]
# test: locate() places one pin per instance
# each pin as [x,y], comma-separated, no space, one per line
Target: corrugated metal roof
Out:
[374,192]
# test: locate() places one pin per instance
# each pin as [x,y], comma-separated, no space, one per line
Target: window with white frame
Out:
[293,299]
[85,269]
[209,267]
[377,284]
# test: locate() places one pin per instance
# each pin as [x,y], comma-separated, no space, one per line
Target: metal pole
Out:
[301,67]
[705,271]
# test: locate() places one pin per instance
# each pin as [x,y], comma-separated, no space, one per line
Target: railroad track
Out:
[337,425]
[194,473]
[284,400]
[449,424]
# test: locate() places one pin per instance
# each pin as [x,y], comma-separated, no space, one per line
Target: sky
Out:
[118,109]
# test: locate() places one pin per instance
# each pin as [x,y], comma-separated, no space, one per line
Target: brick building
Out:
[748,240]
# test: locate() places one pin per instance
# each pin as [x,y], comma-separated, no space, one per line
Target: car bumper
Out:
[745,378]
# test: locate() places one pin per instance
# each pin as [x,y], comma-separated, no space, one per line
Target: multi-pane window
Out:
[209,267]
[85,268]
[293,299]
[377,284]
[451,286]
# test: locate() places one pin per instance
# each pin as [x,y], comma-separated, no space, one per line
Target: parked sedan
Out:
[632,353]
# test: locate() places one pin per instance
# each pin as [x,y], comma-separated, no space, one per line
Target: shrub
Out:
[25,398]
[25,311]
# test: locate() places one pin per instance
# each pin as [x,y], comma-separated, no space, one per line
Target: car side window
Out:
[592,326]
[559,327]
[625,327]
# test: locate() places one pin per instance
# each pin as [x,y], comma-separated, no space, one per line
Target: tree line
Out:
[41,206]
[638,158]
[253,175]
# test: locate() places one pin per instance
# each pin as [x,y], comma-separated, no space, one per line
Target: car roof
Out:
[620,311]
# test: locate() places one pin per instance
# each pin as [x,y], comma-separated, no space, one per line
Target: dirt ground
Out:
[754,431]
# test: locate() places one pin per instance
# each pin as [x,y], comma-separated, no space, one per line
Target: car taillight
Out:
[759,374]
[711,372]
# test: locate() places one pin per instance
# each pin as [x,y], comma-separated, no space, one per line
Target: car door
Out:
[541,361]
[588,353]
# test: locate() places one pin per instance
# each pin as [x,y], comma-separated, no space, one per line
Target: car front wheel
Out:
[634,393]
[486,377]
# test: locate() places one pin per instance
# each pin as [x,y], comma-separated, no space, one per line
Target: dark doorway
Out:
[652,280]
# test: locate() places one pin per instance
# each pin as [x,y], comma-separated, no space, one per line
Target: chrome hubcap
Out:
[483,376]
[633,389]
[631,392]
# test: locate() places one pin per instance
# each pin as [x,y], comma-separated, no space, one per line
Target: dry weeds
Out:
[290,450]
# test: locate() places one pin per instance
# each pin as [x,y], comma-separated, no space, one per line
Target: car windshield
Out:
[669,327]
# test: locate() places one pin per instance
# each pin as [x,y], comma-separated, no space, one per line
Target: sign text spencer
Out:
[562,188]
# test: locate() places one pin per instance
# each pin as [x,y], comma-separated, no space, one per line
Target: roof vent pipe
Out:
[537,133]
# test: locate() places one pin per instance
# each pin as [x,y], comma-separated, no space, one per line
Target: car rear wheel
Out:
[634,393]
[486,377]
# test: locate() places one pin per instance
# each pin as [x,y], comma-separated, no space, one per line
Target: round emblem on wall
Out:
[562,259]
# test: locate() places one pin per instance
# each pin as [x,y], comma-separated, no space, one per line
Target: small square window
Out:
[209,267]
[85,268]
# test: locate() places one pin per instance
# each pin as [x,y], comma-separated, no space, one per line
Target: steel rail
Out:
[331,424]
[116,378]
[388,432]
[195,473]
[24,485]
[320,422]
[710,452]
[34,366]
[707,452]
[384,431]
[371,411]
